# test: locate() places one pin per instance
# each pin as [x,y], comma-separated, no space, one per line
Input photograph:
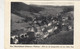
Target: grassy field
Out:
[60,38]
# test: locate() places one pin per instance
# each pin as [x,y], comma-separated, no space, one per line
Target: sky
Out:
[50,3]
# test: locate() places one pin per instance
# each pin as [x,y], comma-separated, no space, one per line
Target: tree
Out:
[68,9]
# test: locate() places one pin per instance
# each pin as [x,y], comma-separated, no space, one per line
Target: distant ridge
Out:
[18,6]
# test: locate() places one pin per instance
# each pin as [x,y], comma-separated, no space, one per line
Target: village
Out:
[42,29]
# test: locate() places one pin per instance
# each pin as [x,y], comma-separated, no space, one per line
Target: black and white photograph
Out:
[41,24]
